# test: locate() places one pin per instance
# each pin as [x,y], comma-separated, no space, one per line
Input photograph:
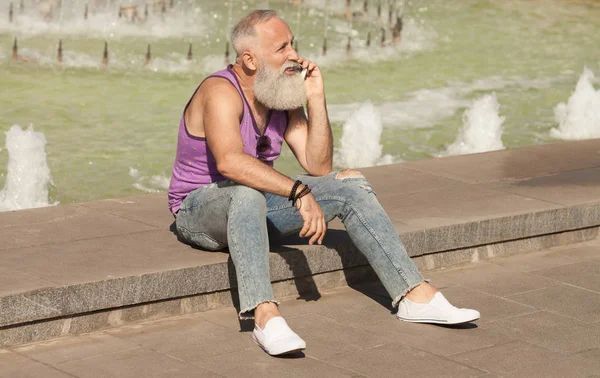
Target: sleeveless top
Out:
[195,165]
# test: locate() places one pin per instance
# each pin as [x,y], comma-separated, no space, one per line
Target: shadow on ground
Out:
[285,246]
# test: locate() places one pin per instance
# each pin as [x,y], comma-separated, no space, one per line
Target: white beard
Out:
[277,90]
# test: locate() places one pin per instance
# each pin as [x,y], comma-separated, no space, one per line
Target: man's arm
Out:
[311,139]
[221,108]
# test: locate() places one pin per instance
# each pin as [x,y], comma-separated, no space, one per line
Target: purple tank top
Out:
[195,165]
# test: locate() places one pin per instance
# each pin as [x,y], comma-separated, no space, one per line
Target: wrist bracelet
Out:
[294,188]
[302,193]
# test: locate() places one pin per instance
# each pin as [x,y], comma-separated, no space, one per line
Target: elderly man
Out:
[224,191]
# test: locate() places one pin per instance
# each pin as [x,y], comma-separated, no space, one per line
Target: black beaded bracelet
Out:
[302,193]
[294,188]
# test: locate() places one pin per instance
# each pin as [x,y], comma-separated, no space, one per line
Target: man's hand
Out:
[314,219]
[313,85]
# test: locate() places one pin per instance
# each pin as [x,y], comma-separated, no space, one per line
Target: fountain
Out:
[59,52]
[28,175]
[189,53]
[105,54]
[360,142]
[408,58]
[579,118]
[482,128]
[15,50]
[148,55]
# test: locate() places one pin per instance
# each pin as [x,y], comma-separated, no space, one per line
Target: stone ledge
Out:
[496,230]
[287,263]
[307,286]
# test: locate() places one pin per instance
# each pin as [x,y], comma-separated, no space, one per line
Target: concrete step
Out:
[83,267]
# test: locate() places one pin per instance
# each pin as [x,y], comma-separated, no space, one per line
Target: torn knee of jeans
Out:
[353,175]
[348,173]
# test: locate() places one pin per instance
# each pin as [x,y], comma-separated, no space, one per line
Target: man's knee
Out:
[348,173]
[355,180]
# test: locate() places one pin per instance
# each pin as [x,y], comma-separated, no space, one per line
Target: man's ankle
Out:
[422,293]
[265,312]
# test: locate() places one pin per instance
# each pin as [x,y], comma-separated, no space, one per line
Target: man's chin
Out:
[286,93]
[284,107]
[283,102]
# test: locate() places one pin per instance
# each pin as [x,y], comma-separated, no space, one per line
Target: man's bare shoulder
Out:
[218,95]
[218,87]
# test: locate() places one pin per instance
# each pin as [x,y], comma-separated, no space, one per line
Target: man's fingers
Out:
[305,228]
[314,226]
[311,232]
[321,229]
[318,231]
[324,230]
[305,63]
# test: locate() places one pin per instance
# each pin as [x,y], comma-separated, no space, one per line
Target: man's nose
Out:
[292,53]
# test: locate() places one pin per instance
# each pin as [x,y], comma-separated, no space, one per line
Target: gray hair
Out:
[246,28]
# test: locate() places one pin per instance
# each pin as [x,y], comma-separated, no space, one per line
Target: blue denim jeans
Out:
[227,214]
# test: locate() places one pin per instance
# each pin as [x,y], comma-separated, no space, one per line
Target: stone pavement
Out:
[540,318]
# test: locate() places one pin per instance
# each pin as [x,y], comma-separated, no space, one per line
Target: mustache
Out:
[293,65]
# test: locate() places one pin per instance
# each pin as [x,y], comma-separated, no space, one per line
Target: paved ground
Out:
[540,317]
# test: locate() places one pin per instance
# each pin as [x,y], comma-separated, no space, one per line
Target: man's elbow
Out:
[226,167]
[321,171]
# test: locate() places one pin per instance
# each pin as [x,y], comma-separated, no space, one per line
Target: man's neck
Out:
[247,86]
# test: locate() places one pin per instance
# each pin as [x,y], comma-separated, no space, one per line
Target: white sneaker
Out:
[277,338]
[438,311]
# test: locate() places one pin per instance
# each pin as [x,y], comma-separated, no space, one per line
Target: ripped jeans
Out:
[228,214]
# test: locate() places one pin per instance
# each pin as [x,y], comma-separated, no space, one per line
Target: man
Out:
[224,191]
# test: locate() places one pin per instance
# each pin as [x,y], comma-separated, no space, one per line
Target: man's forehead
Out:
[274,31]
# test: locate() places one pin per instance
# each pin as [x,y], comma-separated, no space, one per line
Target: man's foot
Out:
[277,338]
[438,311]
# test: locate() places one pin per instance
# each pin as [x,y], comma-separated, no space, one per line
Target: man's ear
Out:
[250,60]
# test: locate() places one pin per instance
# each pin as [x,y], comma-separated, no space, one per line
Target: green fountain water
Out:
[111,130]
